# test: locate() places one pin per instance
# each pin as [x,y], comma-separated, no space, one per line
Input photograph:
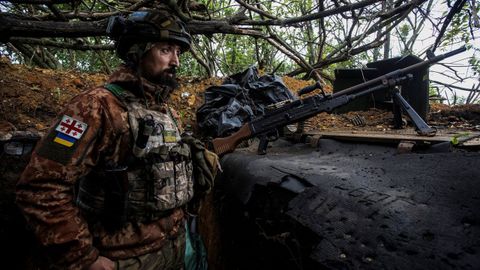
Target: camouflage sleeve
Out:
[45,191]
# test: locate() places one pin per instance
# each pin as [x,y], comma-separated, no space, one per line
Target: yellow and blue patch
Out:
[64,139]
[61,143]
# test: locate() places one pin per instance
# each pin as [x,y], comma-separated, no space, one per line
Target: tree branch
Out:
[311,17]
[63,45]
[201,62]
[12,26]
[455,9]
[336,56]
[93,16]
[38,2]
[455,87]
[256,10]
[221,27]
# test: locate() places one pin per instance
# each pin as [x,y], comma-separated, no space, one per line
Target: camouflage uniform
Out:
[46,191]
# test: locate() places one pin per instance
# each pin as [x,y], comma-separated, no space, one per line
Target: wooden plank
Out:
[473,142]
[390,137]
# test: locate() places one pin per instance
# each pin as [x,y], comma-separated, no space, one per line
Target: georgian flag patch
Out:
[69,131]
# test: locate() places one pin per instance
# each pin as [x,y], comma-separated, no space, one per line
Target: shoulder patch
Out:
[60,144]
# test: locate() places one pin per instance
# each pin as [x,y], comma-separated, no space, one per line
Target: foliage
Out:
[474,63]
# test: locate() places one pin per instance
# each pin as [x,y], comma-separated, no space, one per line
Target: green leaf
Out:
[455,138]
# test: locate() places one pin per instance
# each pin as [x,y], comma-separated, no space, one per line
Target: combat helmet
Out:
[134,33]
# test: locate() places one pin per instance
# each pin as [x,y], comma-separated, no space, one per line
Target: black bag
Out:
[241,98]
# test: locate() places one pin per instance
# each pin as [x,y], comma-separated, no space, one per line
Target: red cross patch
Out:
[71,127]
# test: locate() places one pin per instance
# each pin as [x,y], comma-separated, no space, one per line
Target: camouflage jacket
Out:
[45,191]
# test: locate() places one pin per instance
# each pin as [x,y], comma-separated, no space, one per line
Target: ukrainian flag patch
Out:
[61,143]
[64,140]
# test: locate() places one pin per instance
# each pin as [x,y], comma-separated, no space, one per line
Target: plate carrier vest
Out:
[156,178]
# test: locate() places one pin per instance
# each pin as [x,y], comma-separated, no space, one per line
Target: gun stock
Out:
[228,144]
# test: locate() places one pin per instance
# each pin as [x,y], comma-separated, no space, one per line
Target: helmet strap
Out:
[135,53]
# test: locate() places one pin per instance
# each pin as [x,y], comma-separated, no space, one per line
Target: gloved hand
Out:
[205,164]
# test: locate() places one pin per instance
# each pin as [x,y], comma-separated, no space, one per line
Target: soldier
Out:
[106,188]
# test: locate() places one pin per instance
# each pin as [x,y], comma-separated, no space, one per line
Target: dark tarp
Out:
[241,98]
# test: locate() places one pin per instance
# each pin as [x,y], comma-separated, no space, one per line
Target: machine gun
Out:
[297,110]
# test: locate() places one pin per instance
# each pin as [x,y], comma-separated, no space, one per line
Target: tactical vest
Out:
[156,179]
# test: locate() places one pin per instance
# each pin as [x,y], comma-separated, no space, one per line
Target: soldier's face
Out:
[159,64]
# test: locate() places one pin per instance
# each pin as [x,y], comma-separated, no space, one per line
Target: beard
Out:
[166,78]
